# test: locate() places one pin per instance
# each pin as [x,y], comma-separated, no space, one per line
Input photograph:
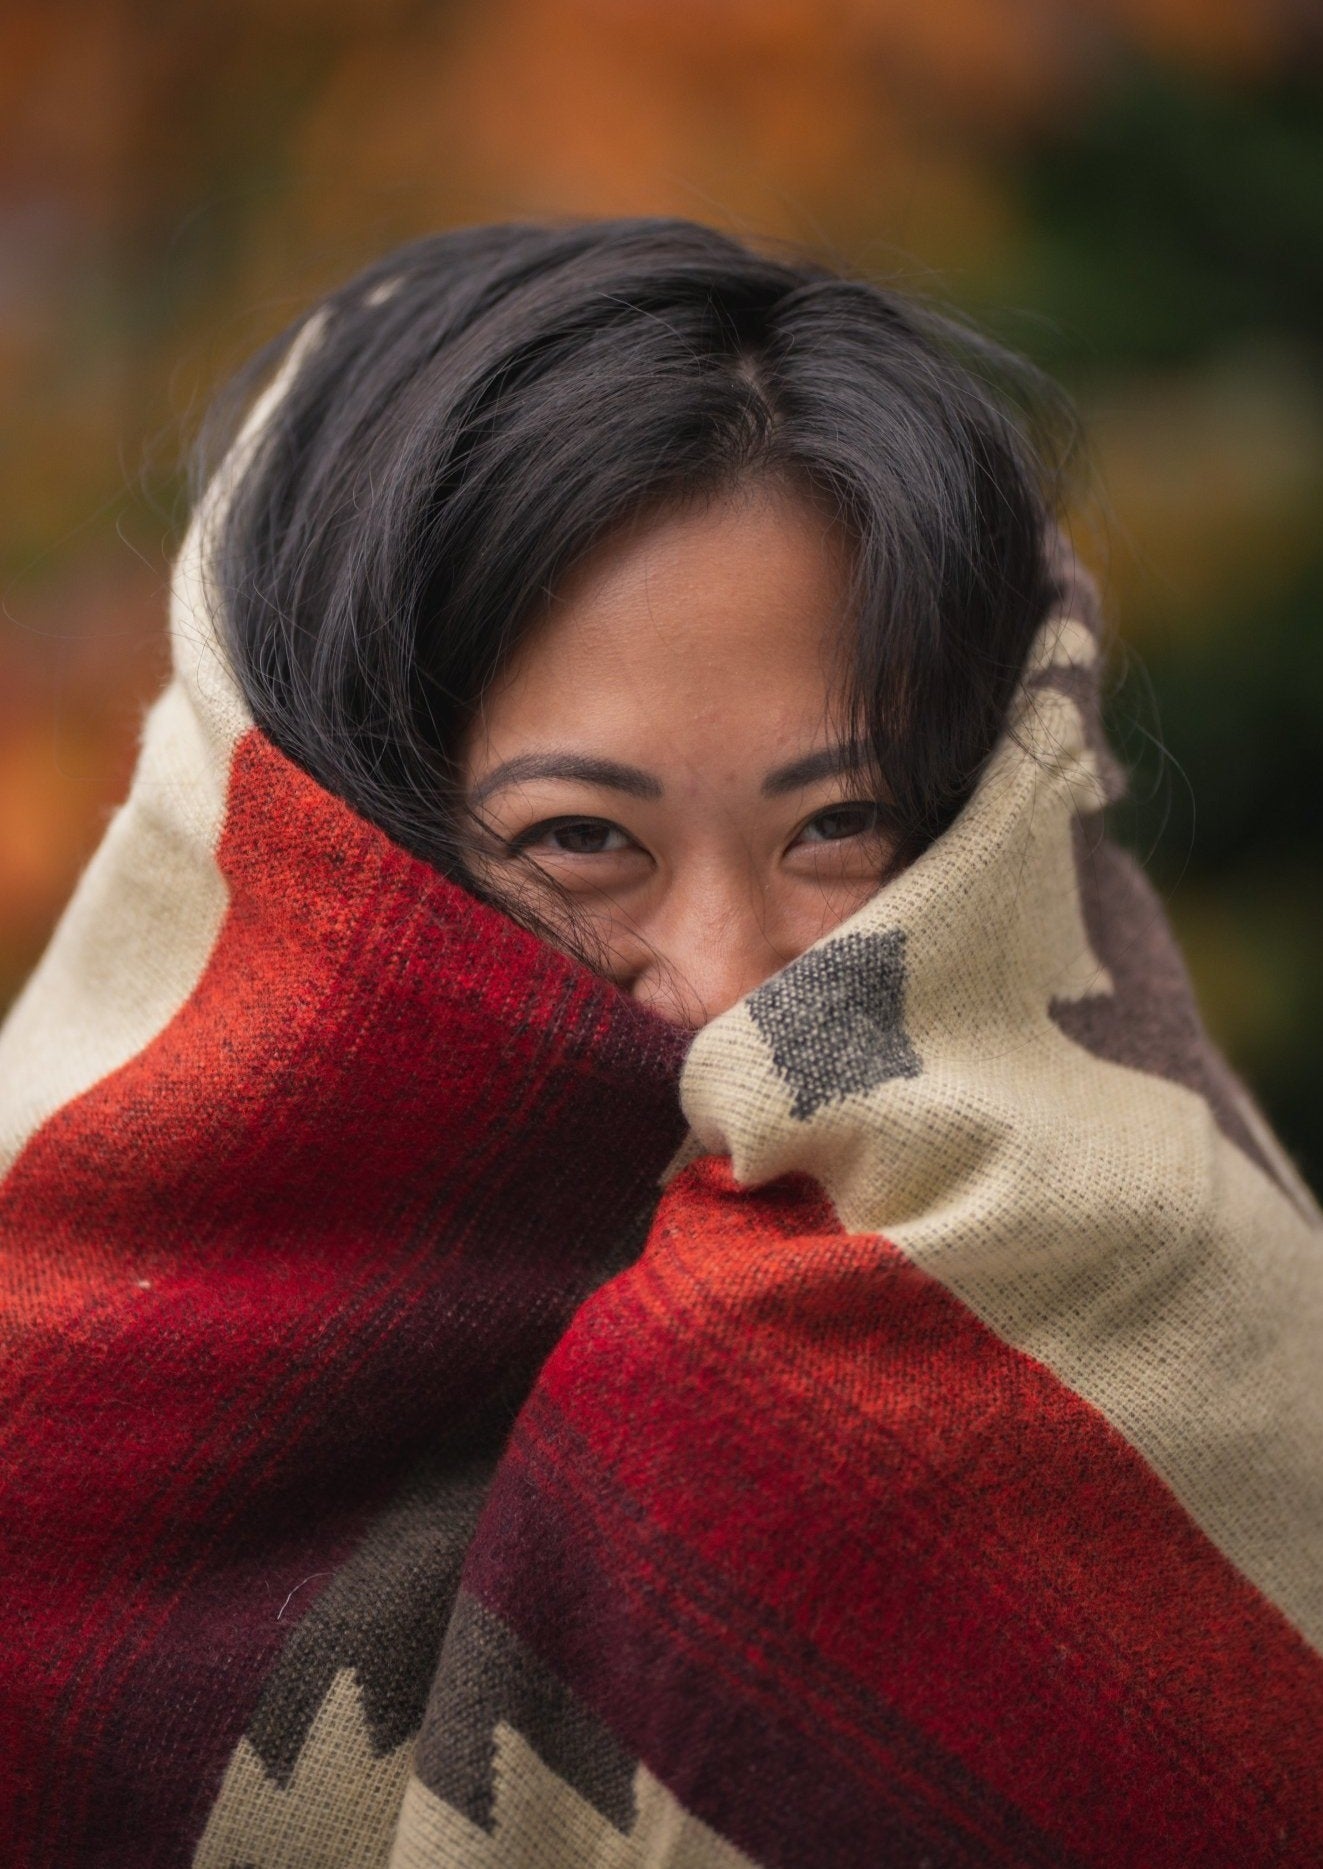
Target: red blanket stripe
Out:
[194,1448]
[995,1566]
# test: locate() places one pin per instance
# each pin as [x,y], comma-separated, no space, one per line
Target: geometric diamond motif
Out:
[834,1019]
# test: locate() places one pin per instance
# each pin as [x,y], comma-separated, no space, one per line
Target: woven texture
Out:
[429,1439]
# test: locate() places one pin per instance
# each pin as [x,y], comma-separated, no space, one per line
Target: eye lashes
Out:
[517,844]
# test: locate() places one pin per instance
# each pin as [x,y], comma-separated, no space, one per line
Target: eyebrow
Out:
[814,766]
[607,772]
[637,783]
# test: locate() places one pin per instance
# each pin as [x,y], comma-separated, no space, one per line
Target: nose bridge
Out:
[711,945]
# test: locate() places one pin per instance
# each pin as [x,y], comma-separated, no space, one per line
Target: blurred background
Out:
[1130,191]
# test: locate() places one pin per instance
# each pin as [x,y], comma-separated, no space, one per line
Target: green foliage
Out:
[1180,222]
[1180,216]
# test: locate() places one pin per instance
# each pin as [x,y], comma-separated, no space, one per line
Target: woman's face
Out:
[662,771]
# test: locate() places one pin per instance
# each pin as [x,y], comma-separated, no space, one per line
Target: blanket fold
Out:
[451,1419]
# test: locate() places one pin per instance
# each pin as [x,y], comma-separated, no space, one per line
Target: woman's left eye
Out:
[840,822]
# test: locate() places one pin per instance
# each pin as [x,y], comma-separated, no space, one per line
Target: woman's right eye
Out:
[579,837]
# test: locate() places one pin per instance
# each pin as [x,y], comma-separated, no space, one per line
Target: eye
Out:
[578,837]
[856,819]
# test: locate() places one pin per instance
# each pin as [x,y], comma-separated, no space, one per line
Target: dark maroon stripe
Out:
[749,1726]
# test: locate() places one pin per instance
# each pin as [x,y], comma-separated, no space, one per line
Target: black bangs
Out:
[478,409]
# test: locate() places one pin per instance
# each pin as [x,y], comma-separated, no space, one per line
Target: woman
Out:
[589,625]
[486,416]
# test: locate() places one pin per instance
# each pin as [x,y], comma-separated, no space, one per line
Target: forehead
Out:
[729,612]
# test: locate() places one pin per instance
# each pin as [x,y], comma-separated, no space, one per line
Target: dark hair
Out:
[479,408]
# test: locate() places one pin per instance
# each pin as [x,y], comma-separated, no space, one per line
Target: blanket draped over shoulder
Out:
[451,1419]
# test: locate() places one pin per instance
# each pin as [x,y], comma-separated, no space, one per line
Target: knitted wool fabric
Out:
[395,1473]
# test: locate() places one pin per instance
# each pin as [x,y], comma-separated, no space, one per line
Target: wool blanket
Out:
[451,1419]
